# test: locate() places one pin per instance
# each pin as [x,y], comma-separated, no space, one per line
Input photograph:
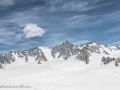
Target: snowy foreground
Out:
[59,74]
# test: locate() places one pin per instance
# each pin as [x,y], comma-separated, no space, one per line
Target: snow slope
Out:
[62,74]
[47,52]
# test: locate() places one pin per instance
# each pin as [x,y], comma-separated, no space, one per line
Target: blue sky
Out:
[30,23]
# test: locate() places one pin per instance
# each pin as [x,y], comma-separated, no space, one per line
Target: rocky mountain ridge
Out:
[65,51]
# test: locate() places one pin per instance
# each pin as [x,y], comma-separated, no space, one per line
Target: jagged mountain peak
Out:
[65,50]
[67,43]
[92,43]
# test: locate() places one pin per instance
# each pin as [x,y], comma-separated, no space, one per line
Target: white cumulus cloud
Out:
[32,30]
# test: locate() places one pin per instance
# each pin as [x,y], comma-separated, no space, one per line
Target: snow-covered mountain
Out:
[65,51]
[90,66]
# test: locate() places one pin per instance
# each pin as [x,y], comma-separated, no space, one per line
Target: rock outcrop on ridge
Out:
[83,55]
[94,47]
[117,61]
[106,60]
[10,57]
[65,50]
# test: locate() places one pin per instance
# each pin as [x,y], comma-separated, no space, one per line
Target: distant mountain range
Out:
[64,51]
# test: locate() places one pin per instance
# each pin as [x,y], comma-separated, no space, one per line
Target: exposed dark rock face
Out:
[39,61]
[106,60]
[1,61]
[1,67]
[65,50]
[84,55]
[106,53]
[35,52]
[118,47]
[40,55]
[26,58]
[10,56]
[94,47]
[18,54]
[117,62]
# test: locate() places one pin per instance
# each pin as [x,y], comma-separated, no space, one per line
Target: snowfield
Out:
[59,74]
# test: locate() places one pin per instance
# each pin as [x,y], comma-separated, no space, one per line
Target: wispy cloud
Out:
[6,36]
[77,6]
[116,43]
[81,42]
[6,2]
[78,21]
[113,30]
[6,41]
[86,21]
